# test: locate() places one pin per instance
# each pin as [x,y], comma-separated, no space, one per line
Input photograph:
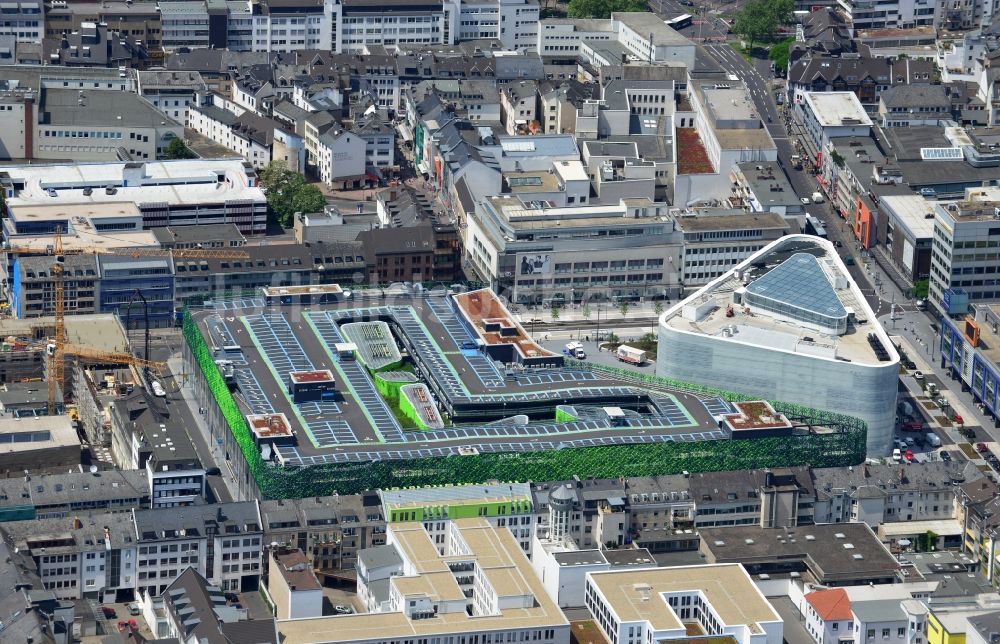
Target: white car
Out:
[918,375]
[897,456]
[805,201]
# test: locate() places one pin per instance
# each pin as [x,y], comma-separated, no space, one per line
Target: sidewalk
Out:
[917,355]
[605,312]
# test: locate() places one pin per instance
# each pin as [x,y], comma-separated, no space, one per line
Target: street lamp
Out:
[597,334]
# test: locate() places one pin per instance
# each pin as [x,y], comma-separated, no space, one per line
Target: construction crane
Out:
[58,347]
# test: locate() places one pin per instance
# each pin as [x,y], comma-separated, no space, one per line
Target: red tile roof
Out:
[832,605]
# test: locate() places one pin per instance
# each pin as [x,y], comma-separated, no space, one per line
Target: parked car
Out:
[897,455]
[909,441]
[909,456]
[945,456]
[982,448]
[133,609]
[918,375]
[109,612]
[340,609]
[212,471]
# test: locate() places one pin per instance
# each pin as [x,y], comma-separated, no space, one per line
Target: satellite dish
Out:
[93,469]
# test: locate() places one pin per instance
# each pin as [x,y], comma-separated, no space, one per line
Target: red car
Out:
[981,448]
[915,426]
[909,456]
[109,612]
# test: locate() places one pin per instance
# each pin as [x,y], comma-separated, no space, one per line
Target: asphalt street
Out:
[165,346]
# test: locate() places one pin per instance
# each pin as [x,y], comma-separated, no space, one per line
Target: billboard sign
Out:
[535,265]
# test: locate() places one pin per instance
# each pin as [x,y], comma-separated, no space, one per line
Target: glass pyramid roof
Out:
[801,286]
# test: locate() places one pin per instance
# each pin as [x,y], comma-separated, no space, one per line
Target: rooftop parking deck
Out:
[359,422]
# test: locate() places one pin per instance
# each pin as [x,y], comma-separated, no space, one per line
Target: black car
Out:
[231,597]
[212,471]
[945,456]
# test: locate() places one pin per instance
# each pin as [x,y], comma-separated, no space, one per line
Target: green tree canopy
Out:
[177,150]
[779,54]
[288,192]
[603,8]
[760,19]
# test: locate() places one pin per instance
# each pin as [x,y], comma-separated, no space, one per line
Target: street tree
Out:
[288,192]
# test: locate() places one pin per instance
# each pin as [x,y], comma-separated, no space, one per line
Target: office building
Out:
[788,323]
[970,349]
[138,21]
[291,25]
[357,24]
[152,194]
[481,587]
[41,442]
[965,253]
[658,605]
[98,125]
[631,249]
[717,240]
[830,115]
[24,20]
[909,233]
[846,554]
[504,505]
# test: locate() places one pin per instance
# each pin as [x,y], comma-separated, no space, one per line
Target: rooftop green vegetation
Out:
[843,446]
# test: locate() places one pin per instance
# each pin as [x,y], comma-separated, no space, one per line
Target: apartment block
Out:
[222,542]
[330,530]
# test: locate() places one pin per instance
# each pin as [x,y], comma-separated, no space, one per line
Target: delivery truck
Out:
[575,350]
[630,355]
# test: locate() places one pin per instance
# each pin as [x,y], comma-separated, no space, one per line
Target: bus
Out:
[814,226]
[679,22]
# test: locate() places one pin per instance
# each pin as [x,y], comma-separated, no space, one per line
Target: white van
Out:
[897,456]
